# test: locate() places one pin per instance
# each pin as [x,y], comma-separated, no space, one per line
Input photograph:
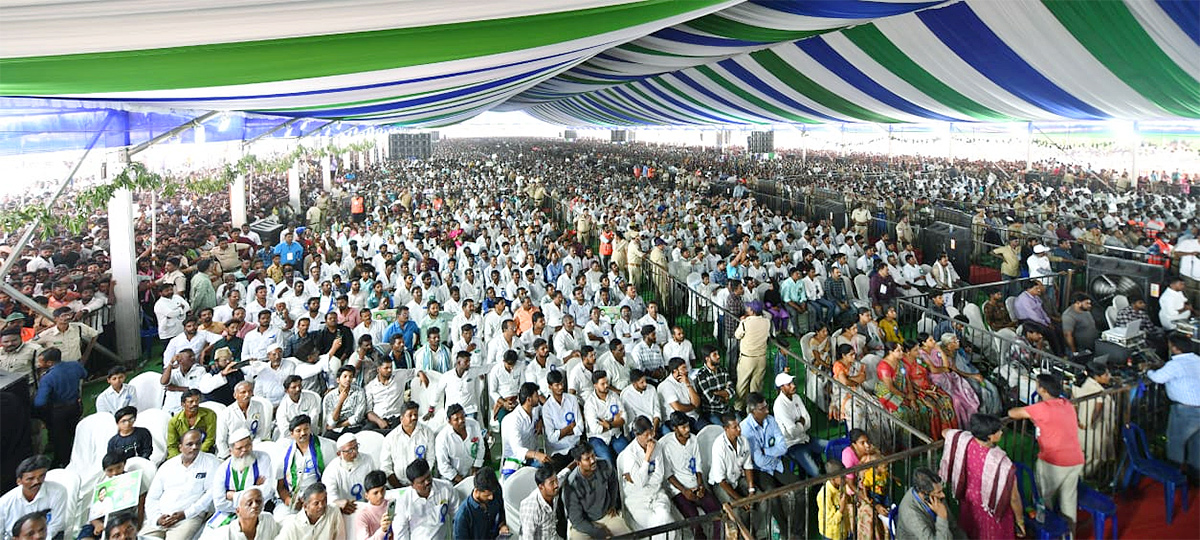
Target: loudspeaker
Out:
[1110,276]
[570,135]
[619,136]
[831,210]
[761,142]
[410,145]
[950,239]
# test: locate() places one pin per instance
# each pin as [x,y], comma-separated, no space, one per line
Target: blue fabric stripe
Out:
[418,101]
[674,34]
[751,79]
[604,76]
[682,77]
[819,50]
[844,9]
[585,98]
[971,39]
[650,109]
[1185,13]
[666,96]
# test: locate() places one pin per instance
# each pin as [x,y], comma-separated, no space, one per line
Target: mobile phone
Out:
[391,510]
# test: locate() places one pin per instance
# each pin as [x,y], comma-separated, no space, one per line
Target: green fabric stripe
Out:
[887,54]
[616,102]
[654,101]
[729,28]
[1115,37]
[662,81]
[757,101]
[631,47]
[804,85]
[318,56]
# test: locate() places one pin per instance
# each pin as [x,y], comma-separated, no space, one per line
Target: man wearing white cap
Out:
[345,477]
[794,422]
[1039,265]
[242,413]
[246,468]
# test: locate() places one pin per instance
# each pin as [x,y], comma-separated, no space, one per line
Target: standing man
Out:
[73,339]
[1010,265]
[1180,376]
[170,310]
[1060,457]
[57,401]
[752,334]
[178,502]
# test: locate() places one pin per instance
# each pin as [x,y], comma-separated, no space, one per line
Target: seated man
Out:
[714,385]
[504,383]
[767,446]
[178,503]
[344,408]
[1031,312]
[180,375]
[460,446]
[384,394]
[316,520]
[302,464]
[731,468]
[345,477]
[605,419]
[794,423]
[539,511]
[579,380]
[518,436]
[294,403]
[118,394]
[679,394]
[640,467]
[411,441]
[419,511]
[131,441]
[482,514]
[243,413]
[562,419]
[193,416]
[247,521]
[685,479]
[593,497]
[641,399]
[34,494]
[923,512]
[245,469]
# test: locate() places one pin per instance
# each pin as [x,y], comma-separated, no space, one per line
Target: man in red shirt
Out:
[1060,458]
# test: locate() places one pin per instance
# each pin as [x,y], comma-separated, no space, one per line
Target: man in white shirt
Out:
[568,340]
[640,468]
[731,469]
[460,446]
[294,403]
[384,394]
[504,382]
[612,361]
[118,394]
[34,494]
[178,503]
[679,394]
[426,510]
[658,321]
[411,441]
[345,477]
[562,419]
[794,422]
[183,373]
[460,386]
[1173,306]
[246,468]
[315,520]
[243,413]
[641,399]
[191,338]
[679,347]
[606,419]
[170,309]
[685,477]
[517,435]
[256,342]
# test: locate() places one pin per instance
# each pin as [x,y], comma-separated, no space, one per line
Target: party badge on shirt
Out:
[420,452]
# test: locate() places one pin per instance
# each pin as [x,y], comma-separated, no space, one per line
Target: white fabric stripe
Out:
[915,40]
[763,17]
[1170,38]
[759,113]
[675,47]
[728,117]
[861,60]
[1035,34]
[793,93]
[821,75]
[51,28]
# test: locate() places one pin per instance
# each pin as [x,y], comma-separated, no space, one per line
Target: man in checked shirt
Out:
[715,386]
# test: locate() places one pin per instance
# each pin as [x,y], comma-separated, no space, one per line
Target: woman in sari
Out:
[892,389]
[1097,418]
[945,375]
[982,477]
[851,337]
[819,347]
[848,371]
[871,500]
[931,405]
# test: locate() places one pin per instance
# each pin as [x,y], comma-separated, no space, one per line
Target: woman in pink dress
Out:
[983,479]
[942,371]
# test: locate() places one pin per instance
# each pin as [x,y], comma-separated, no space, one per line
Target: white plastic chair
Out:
[1120,302]
[1110,315]
[718,307]
[155,421]
[91,442]
[855,301]
[371,443]
[267,423]
[150,390]
[706,439]
[426,397]
[952,311]
[464,489]
[862,288]
[148,468]
[69,481]
[516,488]
[215,407]
[693,282]
[870,362]
[1010,304]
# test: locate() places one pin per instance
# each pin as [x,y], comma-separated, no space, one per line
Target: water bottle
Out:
[1040,517]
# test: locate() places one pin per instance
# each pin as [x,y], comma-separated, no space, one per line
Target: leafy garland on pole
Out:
[137,177]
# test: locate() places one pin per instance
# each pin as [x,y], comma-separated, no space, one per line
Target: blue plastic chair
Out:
[892,513]
[1138,463]
[1054,524]
[1101,507]
[834,449]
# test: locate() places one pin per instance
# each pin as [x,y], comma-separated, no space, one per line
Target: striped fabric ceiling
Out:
[615,62]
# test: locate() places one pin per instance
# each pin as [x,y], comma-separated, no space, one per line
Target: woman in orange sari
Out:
[931,405]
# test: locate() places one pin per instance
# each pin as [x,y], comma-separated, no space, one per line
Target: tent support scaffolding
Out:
[171,133]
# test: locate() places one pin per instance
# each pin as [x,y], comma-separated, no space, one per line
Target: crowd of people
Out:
[482,311]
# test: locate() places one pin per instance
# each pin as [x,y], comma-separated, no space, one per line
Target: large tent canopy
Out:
[424,63]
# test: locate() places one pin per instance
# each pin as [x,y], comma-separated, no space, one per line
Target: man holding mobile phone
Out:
[923,512]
